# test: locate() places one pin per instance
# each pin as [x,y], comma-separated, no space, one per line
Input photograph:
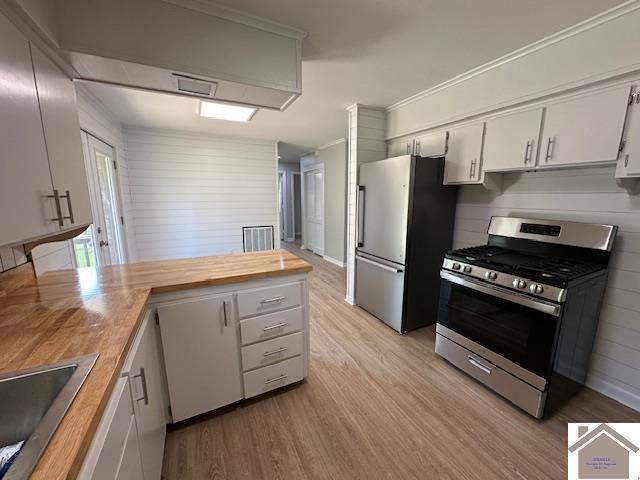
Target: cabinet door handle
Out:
[527,150]
[56,201]
[224,312]
[472,169]
[408,148]
[550,142]
[273,327]
[274,352]
[67,195]
[626,160]
[271,380]
[417,148]
[272,300]
[145,393]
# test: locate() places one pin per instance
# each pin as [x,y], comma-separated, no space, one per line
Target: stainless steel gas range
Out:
[520,314]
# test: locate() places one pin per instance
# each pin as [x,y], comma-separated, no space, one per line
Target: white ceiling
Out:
[374,52]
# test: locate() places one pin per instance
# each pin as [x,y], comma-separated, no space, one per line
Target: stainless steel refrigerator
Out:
[405,226]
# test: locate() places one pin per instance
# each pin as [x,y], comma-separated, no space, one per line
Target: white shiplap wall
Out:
[366,144]
[192,194]
[583,195]
[96,119]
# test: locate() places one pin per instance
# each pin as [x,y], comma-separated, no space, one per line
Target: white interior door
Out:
[105,202]
[314,210]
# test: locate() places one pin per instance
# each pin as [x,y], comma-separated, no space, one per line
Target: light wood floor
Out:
[377,405]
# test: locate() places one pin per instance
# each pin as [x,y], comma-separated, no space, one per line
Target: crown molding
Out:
[354,107]
[231,14]
[599,19]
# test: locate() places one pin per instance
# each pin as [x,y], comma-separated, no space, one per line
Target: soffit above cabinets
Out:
[143,43]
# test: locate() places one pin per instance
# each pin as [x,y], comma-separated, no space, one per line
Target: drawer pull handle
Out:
[273,327]
[479,365]
[272,300]
[273,352]
[271,380]
[145,393]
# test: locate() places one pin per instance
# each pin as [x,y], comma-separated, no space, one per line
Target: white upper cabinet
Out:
[584,130]
[431,144]
[511,141]
[464,155]
[25,180]
[629,162]
[58,108]
[200,344]
[397,148]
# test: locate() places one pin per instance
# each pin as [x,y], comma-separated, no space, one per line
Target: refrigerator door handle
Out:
[380,265]
[361,199]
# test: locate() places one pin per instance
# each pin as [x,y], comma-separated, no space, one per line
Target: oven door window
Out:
[521,334]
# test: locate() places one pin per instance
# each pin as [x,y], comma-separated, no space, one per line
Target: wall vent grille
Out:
[257,238]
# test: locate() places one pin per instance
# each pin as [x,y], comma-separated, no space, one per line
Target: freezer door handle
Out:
[380,265]
[361,198]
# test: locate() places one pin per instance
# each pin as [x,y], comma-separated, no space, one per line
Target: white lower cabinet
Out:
[143,369]
[129,441]
[114,452]
[200,344]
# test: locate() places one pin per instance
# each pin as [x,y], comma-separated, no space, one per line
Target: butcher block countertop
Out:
[68,313]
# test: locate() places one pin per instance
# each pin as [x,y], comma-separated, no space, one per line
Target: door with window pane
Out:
[107,234]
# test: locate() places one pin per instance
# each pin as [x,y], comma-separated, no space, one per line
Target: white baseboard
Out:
[625,397]
[334,261]
[289,239]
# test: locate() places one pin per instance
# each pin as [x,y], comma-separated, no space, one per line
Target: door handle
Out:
[67,195]
[550,142]
[479,365]
[103,243]
[145,393]
[224,312]
[360,201]
[56,201]
[527,151]
[380,265]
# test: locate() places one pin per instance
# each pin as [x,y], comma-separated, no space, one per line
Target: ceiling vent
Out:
[194,86]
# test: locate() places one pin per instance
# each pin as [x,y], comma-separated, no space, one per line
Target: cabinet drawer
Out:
[270,326]
[271,351]
[254,302]
[272,377]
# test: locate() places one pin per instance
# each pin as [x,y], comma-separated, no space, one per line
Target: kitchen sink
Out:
[32,404]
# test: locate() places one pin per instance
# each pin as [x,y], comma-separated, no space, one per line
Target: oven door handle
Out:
[503,293]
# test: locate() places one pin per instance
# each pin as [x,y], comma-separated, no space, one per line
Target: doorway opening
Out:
[103,242]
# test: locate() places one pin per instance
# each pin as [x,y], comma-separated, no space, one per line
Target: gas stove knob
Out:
[491,275]
[538,289]
[467,269]
[455,266]
[518,283]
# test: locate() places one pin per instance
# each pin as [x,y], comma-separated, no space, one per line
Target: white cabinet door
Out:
[583,130]
[114,451]
[397,148]
[25,180]
[511,141]
[130,467]
[201,353]
[59,111]
[431,144]
[144,371]
[464,156]
[629,162]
